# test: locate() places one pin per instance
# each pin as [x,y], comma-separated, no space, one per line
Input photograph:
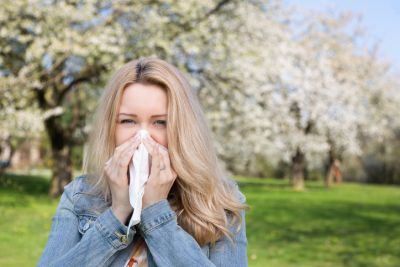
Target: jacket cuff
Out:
[113,230]
[155,216]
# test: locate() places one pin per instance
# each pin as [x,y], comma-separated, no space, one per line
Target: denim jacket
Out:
[85,232]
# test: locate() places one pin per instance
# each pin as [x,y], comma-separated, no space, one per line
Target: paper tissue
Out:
[138,173]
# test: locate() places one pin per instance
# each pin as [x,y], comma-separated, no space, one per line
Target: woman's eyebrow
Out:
[134,115]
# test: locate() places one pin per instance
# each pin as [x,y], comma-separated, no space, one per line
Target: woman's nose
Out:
[145,129]
[143,133]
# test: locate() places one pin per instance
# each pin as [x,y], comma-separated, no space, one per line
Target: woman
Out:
[192,214]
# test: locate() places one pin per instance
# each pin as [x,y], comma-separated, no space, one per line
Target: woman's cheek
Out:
[122,134]
[161,138]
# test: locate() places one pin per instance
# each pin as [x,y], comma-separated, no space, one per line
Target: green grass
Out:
[347,225]
[25,218]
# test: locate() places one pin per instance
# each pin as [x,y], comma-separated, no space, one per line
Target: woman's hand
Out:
[116,169]
[162,176]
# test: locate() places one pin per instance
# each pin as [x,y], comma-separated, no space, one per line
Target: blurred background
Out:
[302,97]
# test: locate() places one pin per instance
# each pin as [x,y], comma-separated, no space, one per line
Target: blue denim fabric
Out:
[85,232]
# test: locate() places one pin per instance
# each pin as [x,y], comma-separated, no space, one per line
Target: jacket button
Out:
[86,226]
[123,239]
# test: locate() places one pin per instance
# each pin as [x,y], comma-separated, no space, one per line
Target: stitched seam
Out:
[158,220]
[169,217]
[106,235]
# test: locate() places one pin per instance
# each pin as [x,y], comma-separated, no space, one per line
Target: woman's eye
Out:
[127,121]
[161,122]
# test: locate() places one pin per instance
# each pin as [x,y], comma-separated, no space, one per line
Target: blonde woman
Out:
[192,214]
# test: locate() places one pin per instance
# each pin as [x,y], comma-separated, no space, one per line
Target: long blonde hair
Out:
[202,194]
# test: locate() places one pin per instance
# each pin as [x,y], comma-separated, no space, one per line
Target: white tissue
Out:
[138,173]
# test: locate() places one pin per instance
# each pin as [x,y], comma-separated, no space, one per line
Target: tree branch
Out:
[190,25]
[65,89]
[85,75]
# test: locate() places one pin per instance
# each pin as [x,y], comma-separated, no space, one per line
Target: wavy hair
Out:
[202,195]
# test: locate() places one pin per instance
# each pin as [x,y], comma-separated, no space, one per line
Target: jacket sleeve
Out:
[170,245]
[97,247]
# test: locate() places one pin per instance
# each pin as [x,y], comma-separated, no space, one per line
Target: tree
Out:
[324,95]
[50,58]
[59,59]
[272,91]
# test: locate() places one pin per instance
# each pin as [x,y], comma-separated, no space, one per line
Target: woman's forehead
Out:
[138,99]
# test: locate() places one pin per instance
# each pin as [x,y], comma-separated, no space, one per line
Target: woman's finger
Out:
[115,159]
[151,141]
[154,144]
[127,143]
[149,149]
[165,156]
[149,146]
[156,164]
[119,154]
[155,157]
[126,155]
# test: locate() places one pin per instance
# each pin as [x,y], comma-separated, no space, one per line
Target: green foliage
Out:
[77,157]
[351,225]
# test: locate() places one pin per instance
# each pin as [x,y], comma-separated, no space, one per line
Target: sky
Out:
[381,20]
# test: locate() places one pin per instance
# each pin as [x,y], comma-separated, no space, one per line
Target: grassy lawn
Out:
[25,219]
[347,225]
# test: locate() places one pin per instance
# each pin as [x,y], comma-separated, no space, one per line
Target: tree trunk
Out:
[7,150]
[333,170]
[61,154]
[329,171]
[338,172]
[61,170]
[298,170]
